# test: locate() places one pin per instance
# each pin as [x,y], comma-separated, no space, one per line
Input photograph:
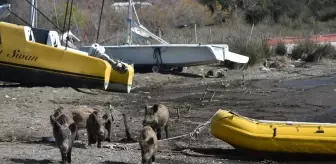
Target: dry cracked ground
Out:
[299,94]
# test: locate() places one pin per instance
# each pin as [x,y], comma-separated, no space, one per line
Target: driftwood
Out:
[178,113]
[205,92]
[213,95]
[189,108]
[128,134]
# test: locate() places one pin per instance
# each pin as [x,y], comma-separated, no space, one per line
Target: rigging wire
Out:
[20,18]
[44,15]
[69,24]
[65,16]
[56,13]
[101,13]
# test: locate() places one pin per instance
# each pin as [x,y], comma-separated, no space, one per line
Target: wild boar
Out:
[64,134]
[98,128]
[148,144]
[77,115]
[157,117]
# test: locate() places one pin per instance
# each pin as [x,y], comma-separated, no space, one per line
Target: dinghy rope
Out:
[192,134]
[157,55]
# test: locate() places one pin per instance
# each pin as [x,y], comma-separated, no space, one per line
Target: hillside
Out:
[218,21]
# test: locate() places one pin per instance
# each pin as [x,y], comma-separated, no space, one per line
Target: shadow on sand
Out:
[30,161]
[49,141]
[10,85]
[185,74]
[113,162]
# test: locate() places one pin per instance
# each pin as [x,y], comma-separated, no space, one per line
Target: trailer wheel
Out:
[155,69]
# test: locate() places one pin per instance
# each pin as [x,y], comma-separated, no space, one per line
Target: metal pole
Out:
[195,33]
[32,13]
[210,35]
[35,19]
[129,21]
[101,13]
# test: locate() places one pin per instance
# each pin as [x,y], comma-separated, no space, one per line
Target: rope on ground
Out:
[192,135]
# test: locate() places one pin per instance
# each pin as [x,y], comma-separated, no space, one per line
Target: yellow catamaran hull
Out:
[24,61]
[274,136]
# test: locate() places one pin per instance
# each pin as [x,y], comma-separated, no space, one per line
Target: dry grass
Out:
[311,52]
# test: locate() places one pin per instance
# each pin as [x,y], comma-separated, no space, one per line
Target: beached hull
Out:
[170,54]
[22,60]
[274,136]
[32,76]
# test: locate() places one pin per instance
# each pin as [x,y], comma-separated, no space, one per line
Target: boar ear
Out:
[150,141]
[54,122]
[95,116]
[155,108]
[52,119]
[73,127]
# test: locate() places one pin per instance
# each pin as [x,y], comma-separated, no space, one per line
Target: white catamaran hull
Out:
[172,54]
[160,53]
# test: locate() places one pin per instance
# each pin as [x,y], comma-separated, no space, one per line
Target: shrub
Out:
[325,51]
[310,51]
[302,49]
[256,49]
[171,13]
[280,49]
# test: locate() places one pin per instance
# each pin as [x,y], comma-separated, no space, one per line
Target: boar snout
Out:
[101,132]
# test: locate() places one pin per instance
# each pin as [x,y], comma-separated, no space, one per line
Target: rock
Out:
[263,68]
[215,73]
[300,64]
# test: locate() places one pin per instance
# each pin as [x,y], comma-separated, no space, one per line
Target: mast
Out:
[33,13]
[129,23]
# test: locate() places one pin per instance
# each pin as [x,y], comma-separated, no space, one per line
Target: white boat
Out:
[161,54]
[5,10]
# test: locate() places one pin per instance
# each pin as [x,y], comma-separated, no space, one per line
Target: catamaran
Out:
[159,54]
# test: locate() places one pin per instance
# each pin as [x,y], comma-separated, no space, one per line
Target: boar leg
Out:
[76,138]
[166,129]
[158,133]
[63,157]
[99,143]
[69,155]
[91,139]
[153,158]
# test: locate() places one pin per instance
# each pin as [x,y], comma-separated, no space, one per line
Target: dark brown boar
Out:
[98,128]
[157,117]
[64,134]
[148,144]
[78,115]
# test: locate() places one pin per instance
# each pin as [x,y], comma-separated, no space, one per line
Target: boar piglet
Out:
[98,128]
[64,134]
[148,144]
